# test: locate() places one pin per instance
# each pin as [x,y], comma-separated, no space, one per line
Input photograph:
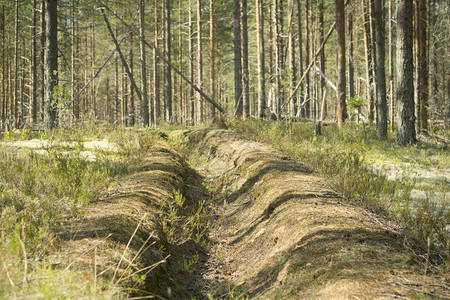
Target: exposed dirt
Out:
[283,233]
[122,234]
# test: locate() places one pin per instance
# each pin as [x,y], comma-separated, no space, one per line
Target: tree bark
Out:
[168,83]
[340,32]
[370,94]
[391,67]
[322,56]
[156,91]
[144,100]
[132,113]
[51,64]
[300,56]
[405,93]
[245,67]
[291,60]
[4,98]
[211,60]
[261,66]
[380,71]
[16,66]
[351,70]
[33,102]
[307,49]
[237,59]
[199,116]
[191,66]
[42,58]
[423,64]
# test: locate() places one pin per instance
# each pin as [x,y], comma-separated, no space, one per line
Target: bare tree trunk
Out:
[322,56]
[132,113]
[380,71]
[300,56]
[156,92]
[116,86]
[307,49]
[237,59]
[42,70]
[180,60]
[93,97]
[16,66]
[277,45]
[405,96]
[340,32]
[391,67]
[168,83]
[423,64]
[199,62]
[291,60]
[261,52]
[191,66]
[416,59]
[211,60]
[51,64]
[4,98]
[245,68]
[144,100]
[351,71]
[369,59]
[33,102]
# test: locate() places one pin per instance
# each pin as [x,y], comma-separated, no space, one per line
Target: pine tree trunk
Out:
[380,71]
[340,32]
[16,66]
[277,45]
[245,67]
[143,62]
[237,59]
[51,64]
[307,49]
[369,58]
[168,82]
[180,62]
[322,56]
[131,101]
[300,57]
[212,90]
[33,102]
[191,66]
[199,116]
[405,94]
[261,53]
[416,63]
[291,60]
[3,99]
[351,71]
[156,92]
[391,67]
[423,64]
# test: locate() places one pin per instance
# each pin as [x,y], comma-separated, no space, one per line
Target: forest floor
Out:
[208,214]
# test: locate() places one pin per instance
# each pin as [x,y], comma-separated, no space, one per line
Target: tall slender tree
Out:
[191,66]
[51,64]
[292,67]
[261,66]
[33,96]
[212,60]
[405,95]
[245,67]
[380,71]
[237,59]
[199,62]
[340,33]
[423,63]
[168,82]
[156,92]
[144,101]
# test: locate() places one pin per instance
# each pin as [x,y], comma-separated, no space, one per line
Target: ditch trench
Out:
[251,222]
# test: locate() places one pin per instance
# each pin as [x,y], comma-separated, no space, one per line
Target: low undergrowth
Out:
[340,156]
[38,189]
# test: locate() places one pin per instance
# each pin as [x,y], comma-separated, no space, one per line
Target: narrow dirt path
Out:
[282,233]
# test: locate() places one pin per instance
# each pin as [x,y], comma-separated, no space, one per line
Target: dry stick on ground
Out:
[209,99]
